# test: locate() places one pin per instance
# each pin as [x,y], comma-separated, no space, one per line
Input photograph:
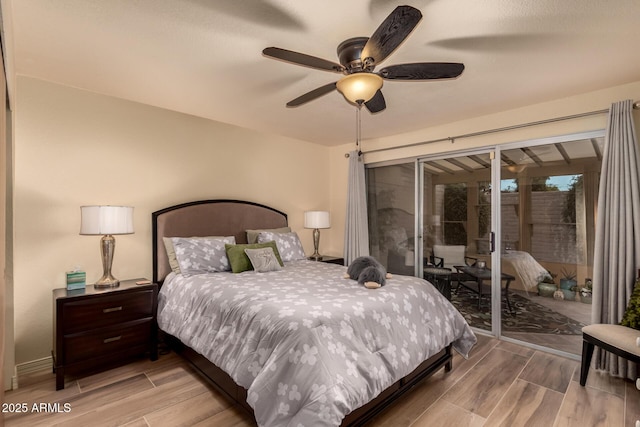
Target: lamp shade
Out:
[317,219]
[102,220]
[359,87]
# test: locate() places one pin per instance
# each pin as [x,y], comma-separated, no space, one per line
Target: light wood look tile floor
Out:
[501,384]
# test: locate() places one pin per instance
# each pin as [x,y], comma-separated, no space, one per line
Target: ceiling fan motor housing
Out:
[349,52]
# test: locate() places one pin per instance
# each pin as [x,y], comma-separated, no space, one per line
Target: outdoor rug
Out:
[529,316]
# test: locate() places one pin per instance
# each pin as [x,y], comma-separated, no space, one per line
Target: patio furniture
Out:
[448,256]
[479,275]
[440,278]
[617,339]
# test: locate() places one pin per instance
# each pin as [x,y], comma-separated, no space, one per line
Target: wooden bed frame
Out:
[233,218]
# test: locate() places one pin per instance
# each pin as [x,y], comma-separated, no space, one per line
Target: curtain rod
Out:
[636,106]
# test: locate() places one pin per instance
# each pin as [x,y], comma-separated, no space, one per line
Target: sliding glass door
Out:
[392,216]
[455,219]
[549,193]
[506,234]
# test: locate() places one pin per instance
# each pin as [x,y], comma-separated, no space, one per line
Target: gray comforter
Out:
[309,345]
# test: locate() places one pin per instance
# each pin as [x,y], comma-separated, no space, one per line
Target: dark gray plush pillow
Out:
[367,269]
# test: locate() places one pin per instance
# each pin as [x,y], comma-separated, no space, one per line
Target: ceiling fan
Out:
[359,56]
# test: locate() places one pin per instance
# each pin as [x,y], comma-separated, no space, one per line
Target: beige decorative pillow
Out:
[263,259]
[252,235]
[171,252]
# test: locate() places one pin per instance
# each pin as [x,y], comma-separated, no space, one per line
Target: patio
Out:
[538,320]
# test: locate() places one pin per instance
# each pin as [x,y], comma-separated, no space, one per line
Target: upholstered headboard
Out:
[208,218]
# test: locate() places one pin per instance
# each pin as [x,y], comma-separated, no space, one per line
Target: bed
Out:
[301,345]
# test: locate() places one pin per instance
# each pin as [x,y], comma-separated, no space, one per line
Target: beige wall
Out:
[592,101]
[73,148]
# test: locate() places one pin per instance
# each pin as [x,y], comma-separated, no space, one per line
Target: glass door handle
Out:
[492,242]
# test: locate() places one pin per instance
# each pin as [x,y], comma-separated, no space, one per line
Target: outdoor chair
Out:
[447,256]
[620,340]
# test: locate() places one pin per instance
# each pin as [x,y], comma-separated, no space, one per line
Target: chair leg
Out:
[511,311]
[587,353]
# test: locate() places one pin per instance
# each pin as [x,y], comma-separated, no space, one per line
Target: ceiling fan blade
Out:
[302,59]
[422,71]
[391,33]
[377,103]
[310,96]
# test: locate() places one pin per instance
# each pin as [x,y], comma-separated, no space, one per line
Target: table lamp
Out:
[316,220]
[106,221]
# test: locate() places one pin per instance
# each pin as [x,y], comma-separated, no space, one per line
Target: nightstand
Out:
[100,328]
[329,259]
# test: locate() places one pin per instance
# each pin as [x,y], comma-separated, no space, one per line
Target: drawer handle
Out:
[112,339]
[112,309]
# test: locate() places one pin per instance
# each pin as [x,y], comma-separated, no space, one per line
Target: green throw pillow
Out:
[631,317]
[240,261]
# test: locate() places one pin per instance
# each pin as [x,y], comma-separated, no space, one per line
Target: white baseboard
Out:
[44,364]
[14,380]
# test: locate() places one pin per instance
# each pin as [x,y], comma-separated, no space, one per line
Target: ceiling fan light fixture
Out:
[359,88]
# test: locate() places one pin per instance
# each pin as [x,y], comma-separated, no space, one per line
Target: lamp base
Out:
[316,243]
[107,248]
[106,282]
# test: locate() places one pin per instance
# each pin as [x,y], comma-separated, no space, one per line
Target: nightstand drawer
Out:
[94,313]
[105,341]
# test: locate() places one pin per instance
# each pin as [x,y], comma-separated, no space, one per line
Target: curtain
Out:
[356,236]
[617,243]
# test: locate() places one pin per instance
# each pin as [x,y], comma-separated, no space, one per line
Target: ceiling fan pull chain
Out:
[358,129]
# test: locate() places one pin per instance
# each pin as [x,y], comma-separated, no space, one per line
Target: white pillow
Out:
[252,235]
[202,255]
[171,253]
[288,244]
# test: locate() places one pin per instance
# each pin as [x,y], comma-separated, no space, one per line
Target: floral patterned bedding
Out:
[309,345]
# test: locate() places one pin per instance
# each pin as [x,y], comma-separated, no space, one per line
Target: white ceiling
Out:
[203,57]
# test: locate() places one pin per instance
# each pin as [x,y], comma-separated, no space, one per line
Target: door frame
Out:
[419,236]
[497,227]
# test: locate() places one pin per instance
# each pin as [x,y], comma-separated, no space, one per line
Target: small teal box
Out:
[76,280]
